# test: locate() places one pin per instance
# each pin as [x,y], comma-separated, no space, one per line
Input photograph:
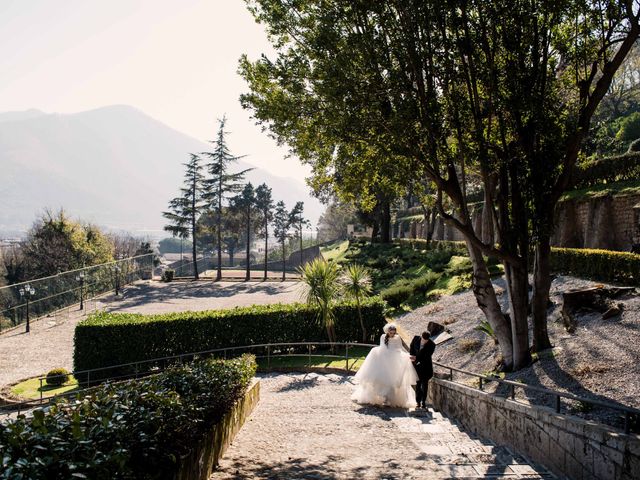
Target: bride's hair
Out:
[387,327]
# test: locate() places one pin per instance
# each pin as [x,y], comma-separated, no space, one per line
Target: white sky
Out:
[176,60]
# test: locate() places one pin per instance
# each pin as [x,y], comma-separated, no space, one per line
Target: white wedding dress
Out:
[386,376]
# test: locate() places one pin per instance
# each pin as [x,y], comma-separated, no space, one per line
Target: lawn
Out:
[31,388]
[335,251]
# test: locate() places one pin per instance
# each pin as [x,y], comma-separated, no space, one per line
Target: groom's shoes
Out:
[424,405]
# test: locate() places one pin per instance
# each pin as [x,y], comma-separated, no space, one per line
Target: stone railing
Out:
[570,447]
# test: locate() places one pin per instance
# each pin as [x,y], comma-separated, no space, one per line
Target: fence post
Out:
[557,403]
[627,423]
[346,355]
[268,356]
[513,392]
[40,379]
[451,374]
[480,383]
[309,359]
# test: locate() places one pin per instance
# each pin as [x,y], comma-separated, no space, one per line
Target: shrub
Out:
[607,170]
[425,283]
[57,377]
[167,275]
[106,339]
[135,429]
[634,146]
[601,265]
[469,345]
[395,296]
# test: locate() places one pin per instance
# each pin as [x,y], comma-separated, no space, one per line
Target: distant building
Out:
[357,230]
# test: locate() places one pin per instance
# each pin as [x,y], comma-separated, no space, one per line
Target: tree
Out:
[220,183]
[357,285]
[504,90]
[333,222]
[245,203]
[298,222]
[321,288]
[185,210]
[281,226]
[264,204]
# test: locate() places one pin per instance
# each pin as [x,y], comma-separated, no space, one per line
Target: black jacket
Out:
[423,363]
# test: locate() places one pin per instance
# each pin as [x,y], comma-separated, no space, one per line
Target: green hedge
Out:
[608,170]
[106,339]
[457,247]
[601,265]
[135,429]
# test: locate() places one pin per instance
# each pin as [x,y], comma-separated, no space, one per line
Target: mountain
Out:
[114,166]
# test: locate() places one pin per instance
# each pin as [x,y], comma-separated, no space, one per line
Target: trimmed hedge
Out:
[602,265]
[608,170]
[135,429]
[106,339]
[457,247]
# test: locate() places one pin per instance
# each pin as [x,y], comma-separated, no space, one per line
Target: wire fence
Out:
[25,302]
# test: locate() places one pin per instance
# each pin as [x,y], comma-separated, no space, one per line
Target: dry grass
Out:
[449,320]
[584,370]
[469,345]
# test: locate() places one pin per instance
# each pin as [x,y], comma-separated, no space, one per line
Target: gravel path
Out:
[601,360]
[306,426]
[50,342]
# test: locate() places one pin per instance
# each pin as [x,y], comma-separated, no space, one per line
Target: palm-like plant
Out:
[356,282]
[322,288]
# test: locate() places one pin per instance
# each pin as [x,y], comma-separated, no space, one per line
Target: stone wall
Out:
[200,463]
[568,446]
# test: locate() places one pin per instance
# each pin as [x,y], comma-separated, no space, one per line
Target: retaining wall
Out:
[570,447]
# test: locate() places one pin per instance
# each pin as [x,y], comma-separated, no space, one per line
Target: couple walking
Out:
[389,372]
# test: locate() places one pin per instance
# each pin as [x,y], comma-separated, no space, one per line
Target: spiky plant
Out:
[322,288]
[356,282]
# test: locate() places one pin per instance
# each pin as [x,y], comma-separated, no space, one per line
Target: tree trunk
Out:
[301,257]
[284,260]
[540,299]
[247,276]
[364,330]
[374,231]
[518,288]
[232,252]
[266,244]
[488,302]
[385,230]
[219,227]
[193,237]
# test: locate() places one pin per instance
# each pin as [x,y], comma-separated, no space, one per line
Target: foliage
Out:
[629,128]
[135,429]
[106,339]
[333,222]
[486,328]
[395,296]
[245,203]
[57,376]
[321,289]
[602,265]
[356,282]
[173,245]
[608,170]
[469,345]
[281,226]
[168,274]
[264,204]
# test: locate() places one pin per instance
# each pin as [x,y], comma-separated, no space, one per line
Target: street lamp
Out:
[27,292]
[80,278]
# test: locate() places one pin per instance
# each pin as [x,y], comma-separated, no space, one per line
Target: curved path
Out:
[305,426]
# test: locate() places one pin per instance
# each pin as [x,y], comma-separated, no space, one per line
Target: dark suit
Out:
[423,365]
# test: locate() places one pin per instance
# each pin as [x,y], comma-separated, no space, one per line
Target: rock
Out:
[612,312]
[598,298]
[435,328]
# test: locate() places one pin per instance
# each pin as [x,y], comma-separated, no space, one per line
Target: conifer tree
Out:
[298,222]
[184,210]
[245,204]
[264,203]
[220,183]
[281,225]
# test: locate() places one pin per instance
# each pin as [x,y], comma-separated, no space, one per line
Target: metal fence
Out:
[268,352]
[25,302]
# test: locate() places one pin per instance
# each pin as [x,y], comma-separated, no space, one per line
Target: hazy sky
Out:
[174,59]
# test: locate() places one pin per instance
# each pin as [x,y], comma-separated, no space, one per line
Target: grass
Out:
[469,345]
[31,388]
[626,187]
[321,359]
[335,251]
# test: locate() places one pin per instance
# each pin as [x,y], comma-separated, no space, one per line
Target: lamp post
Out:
[80,278]
[27,292]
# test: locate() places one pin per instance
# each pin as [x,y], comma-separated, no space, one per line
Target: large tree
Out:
[281,227]
[220,183]
[245,203]
[185,210]
[298,222]
[504,90]
[264,204]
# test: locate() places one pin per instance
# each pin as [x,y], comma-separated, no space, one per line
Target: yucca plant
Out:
[322,288]
[356,282]
[486,328]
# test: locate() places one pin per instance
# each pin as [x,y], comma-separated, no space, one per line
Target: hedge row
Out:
[106,339]
[457,247]
[607,170]
[135,429]
[602,265]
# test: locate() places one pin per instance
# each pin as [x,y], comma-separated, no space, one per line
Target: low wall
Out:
[570,447]
[200,463]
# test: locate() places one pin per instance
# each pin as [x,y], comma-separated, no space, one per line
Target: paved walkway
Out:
[50,342]
[306,427]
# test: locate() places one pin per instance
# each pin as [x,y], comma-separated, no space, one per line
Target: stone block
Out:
[603,467]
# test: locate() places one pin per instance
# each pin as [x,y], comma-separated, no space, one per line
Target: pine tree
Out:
[298,222]
[245,203]
[185,209]
[281,225]
[264,203]
[220,183]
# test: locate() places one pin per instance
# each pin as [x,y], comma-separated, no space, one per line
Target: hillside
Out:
[115,166]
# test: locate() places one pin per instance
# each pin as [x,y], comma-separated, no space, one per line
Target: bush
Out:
[135,429]
[425,283]
[168,274]
[395,296]
[106,339]
[601,265]
[607,170]
[629,127]
[57,377]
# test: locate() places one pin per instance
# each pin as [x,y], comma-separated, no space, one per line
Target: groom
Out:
[421,351]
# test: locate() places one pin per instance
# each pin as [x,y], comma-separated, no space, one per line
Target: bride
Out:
[387,374]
